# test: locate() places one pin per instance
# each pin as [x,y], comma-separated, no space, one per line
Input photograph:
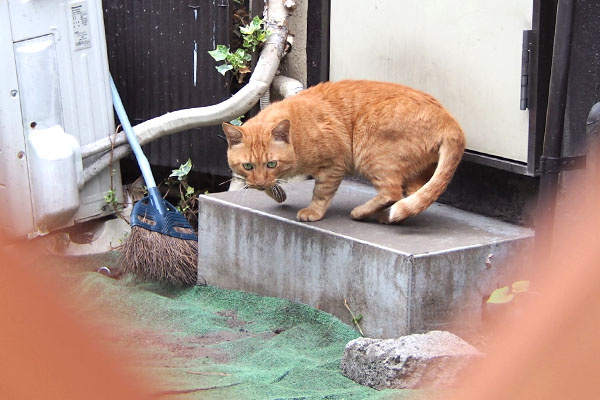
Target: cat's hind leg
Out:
[416,183]
[384,199]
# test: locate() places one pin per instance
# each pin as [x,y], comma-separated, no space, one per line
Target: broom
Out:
[162,245]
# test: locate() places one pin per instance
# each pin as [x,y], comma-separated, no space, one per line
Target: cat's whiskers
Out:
[245,190]
[237,192]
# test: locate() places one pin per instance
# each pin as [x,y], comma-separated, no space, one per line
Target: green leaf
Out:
[224,68]
[190,191]
[220,53]
[241,54]
[520,286]
[256,22]
[182,171]
[237,121]
[252,27]
[246,30]
[500,296]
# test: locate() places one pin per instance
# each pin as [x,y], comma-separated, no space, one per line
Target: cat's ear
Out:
[233,133]
[281,132]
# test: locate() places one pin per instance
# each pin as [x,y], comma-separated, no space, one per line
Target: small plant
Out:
[505,294]
[237,61]
[506,303]
[111,199]
[355,318]
[111,196]
[237,121]
[253,35]
[187,204]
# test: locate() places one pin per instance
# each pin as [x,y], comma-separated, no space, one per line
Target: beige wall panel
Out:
[465,53]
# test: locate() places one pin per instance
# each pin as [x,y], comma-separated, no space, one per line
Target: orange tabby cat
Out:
[390,134]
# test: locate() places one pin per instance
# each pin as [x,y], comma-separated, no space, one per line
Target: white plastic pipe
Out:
[276,17]
[286,86]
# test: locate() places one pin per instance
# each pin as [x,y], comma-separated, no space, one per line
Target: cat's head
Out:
[261,154]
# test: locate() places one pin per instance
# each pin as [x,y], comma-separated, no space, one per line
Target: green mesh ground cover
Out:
[208,343]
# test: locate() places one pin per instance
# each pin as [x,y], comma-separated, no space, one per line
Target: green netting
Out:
[204,342]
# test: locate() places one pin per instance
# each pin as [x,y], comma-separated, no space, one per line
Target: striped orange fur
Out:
[400,139]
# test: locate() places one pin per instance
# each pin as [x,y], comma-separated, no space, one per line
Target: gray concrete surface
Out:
[427,273]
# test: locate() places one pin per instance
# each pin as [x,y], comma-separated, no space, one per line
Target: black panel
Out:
[584,75]
[317,48]
[544,19]
[151,47]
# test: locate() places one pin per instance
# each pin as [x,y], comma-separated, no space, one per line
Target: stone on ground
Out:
[433,359]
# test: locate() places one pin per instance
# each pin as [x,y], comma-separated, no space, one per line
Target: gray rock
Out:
[433,359]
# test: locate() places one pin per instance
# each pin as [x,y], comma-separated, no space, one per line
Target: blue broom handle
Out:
[137,150]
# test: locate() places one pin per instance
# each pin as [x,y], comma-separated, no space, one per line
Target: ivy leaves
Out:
[237,61]
[506,295]
[253,34]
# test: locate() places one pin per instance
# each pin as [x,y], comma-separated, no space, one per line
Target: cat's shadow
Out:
[336,215]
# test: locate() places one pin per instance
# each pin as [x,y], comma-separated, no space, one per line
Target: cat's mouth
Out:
[260,187]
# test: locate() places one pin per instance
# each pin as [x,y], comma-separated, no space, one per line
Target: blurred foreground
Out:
[548,350]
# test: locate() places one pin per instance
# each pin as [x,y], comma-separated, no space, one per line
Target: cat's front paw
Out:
[309,215]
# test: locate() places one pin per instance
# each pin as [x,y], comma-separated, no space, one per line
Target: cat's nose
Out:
[261,184]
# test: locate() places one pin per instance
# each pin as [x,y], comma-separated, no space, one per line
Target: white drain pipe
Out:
[286,86]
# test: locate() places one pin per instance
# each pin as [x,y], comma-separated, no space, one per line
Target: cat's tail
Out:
[450,154]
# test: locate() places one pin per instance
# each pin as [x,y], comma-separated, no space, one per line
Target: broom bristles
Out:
[153,256]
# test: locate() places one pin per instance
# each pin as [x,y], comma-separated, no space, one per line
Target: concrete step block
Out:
[428,273]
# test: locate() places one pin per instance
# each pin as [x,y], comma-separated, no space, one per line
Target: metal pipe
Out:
[550,162]
[265,99]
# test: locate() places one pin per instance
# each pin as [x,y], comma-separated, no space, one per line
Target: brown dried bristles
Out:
[153,256]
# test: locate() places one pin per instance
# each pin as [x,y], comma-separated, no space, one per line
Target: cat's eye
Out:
[248,166]
[271,164]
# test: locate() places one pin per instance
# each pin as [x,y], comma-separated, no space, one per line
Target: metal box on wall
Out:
[478,58]
[54,96]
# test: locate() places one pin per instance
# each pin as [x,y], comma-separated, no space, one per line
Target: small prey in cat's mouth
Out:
[274,191]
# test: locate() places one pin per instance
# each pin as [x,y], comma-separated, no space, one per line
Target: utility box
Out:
[54,97]
[476,57]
